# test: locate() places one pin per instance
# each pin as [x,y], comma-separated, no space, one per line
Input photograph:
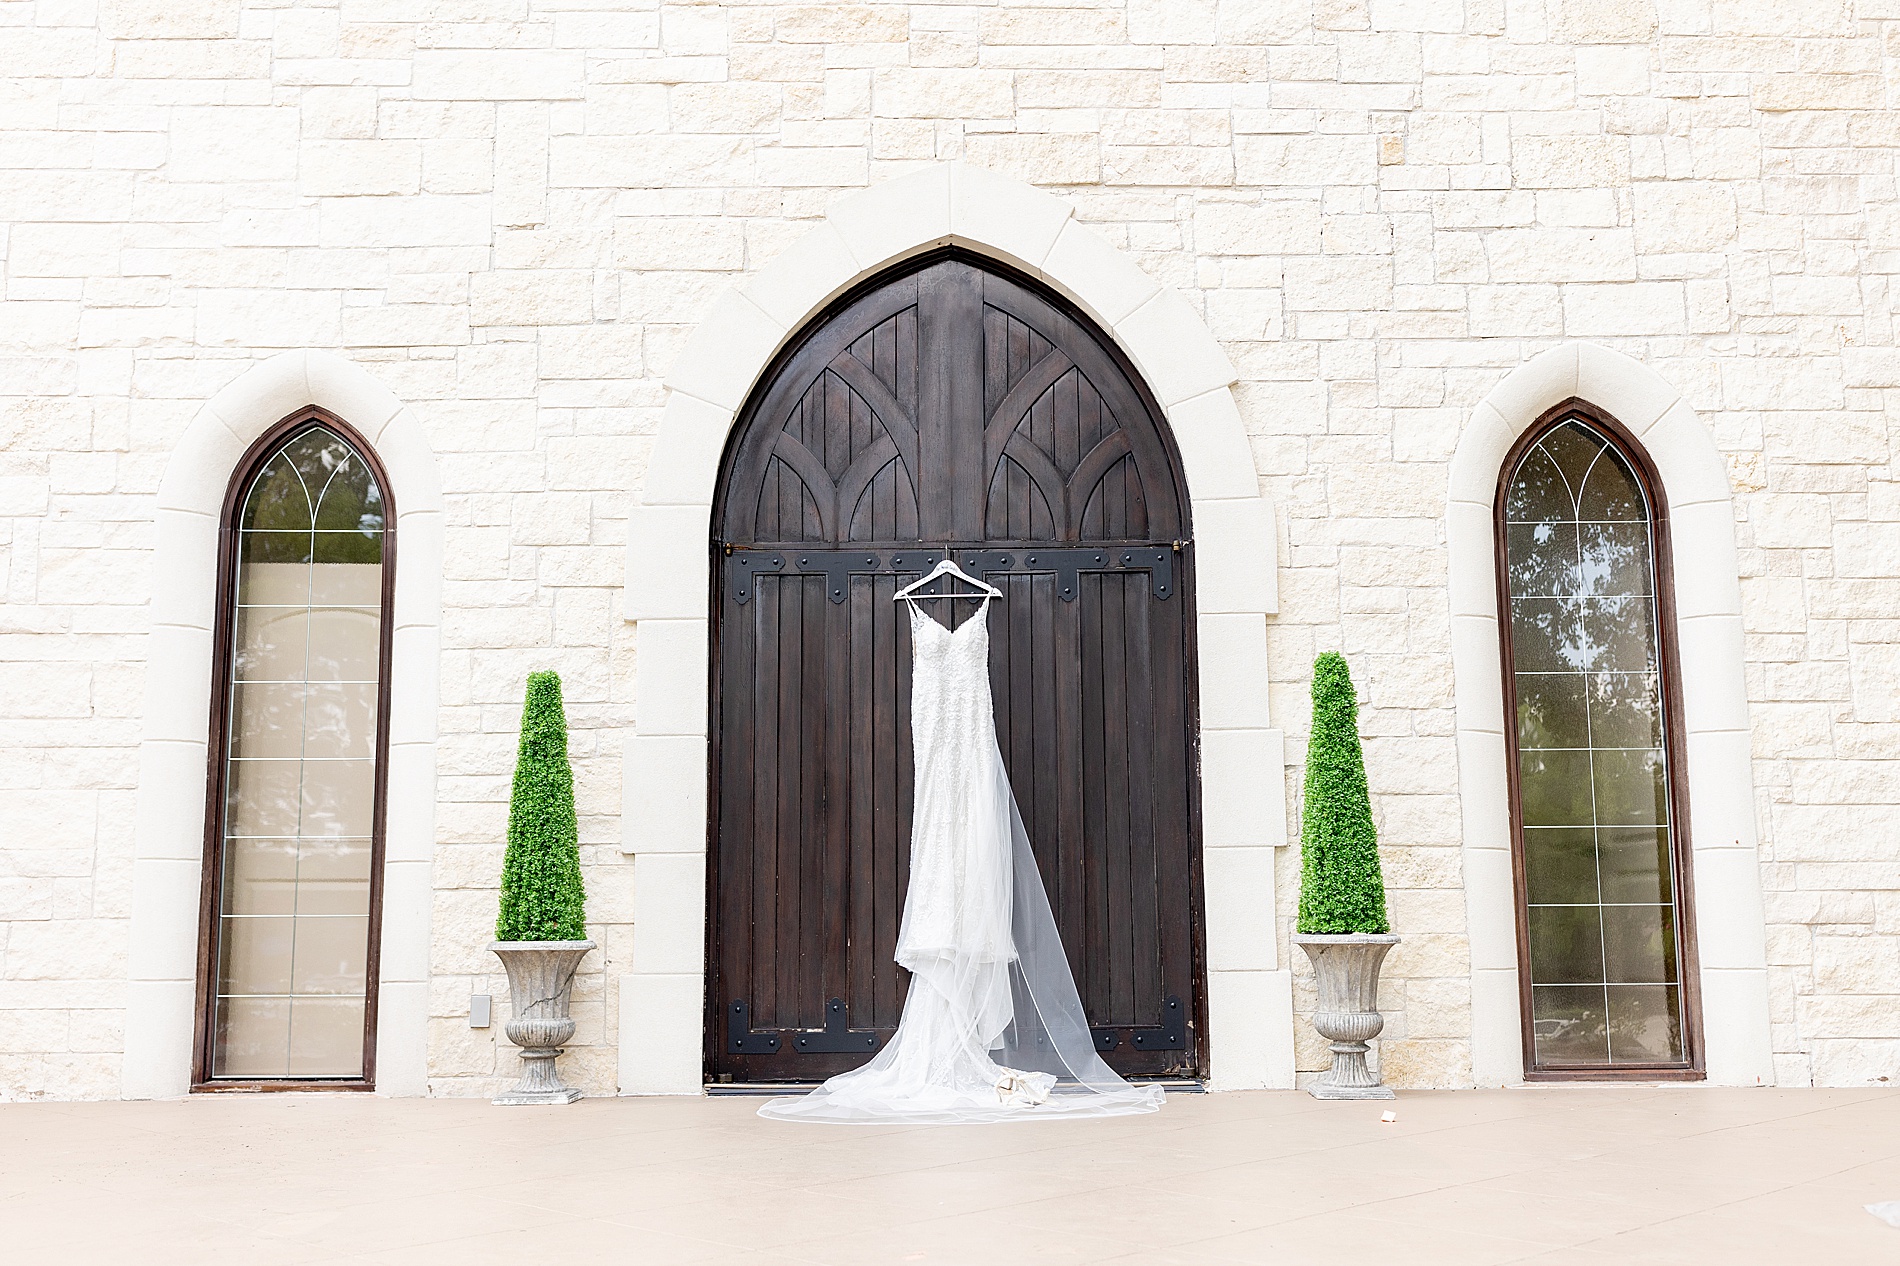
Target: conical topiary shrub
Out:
[1341,887]
[541,894]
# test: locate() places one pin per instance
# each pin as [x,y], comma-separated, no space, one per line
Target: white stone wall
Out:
[512,213]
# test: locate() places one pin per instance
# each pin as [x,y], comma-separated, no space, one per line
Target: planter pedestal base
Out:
[1346,969]
[539,1082]
[1326,1090]
[541,982]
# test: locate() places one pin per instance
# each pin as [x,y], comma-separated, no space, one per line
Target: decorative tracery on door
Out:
[949,407]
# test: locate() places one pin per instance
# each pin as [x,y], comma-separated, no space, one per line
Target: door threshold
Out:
[737,1089]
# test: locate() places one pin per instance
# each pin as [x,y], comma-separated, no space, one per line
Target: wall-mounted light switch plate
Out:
[480,1010]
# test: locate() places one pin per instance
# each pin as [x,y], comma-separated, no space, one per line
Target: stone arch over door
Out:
[663,995]
[1726,874]
[173,756]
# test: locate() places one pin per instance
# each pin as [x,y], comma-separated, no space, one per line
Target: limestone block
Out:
[1240,905]
[531,297]
[713,245]
[405,325]
[593,463]
[1876,677]
[1649,307]
[799,279]
[176,704]
[407,897]
[1281,227]
[1382,57]
[1676,216]
[1243,788]
[410,826]
[928,93]
[1560,255]
[1236,556]
[335,168]
[718,364]
[1870,366]
[458,166]
[669,919]
[74,949]
[1865,965]
[1602,21]
[1252,1011]
[1211,437]
[268,318]
[1868,1063]
[1328,283]
[1173,21]
[155,20]
[186,597]
[1106,282]
[1569,162]
[209,143]
[413,700]
[671,686]
[991,209]
[423,220]
[660,1059]
[1179,358]
[842,24]
[663,782]
[1078,27]
[1305,161]
[1794,91]
[63,250]
[29,327]
[471,74]
[1233,663]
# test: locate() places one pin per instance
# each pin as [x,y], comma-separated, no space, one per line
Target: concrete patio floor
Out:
[1473,1177]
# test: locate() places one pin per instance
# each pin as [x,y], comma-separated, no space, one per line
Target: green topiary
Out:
[541,894]
[1341,887]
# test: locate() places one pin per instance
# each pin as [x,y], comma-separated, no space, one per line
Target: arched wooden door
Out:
[952,407]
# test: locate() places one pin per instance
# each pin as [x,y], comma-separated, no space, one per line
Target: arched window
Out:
[1605,932]
[287,971]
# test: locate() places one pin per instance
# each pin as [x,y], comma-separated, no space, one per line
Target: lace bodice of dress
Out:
[950,708]
[958,896]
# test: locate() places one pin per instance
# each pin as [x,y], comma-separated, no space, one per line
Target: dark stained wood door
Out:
[948,408]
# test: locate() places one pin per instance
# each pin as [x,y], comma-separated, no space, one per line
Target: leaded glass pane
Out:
[1592,776]
[292,962]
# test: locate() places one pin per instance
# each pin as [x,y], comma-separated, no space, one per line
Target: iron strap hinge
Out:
[1169,1035]
[837,566]
[742,1039]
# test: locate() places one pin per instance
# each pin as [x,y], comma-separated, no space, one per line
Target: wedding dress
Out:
[992,1028]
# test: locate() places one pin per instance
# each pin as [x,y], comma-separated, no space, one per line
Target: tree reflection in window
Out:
[1592,774]
[293,917]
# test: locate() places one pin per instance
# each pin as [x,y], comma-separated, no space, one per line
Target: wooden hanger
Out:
[946,568]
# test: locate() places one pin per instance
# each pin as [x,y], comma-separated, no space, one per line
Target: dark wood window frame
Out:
[211,888]
[1675,746]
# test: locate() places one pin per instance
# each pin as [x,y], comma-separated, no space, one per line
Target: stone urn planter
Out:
[541,929]
[541,983]
[1346,969]
[1343,925]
